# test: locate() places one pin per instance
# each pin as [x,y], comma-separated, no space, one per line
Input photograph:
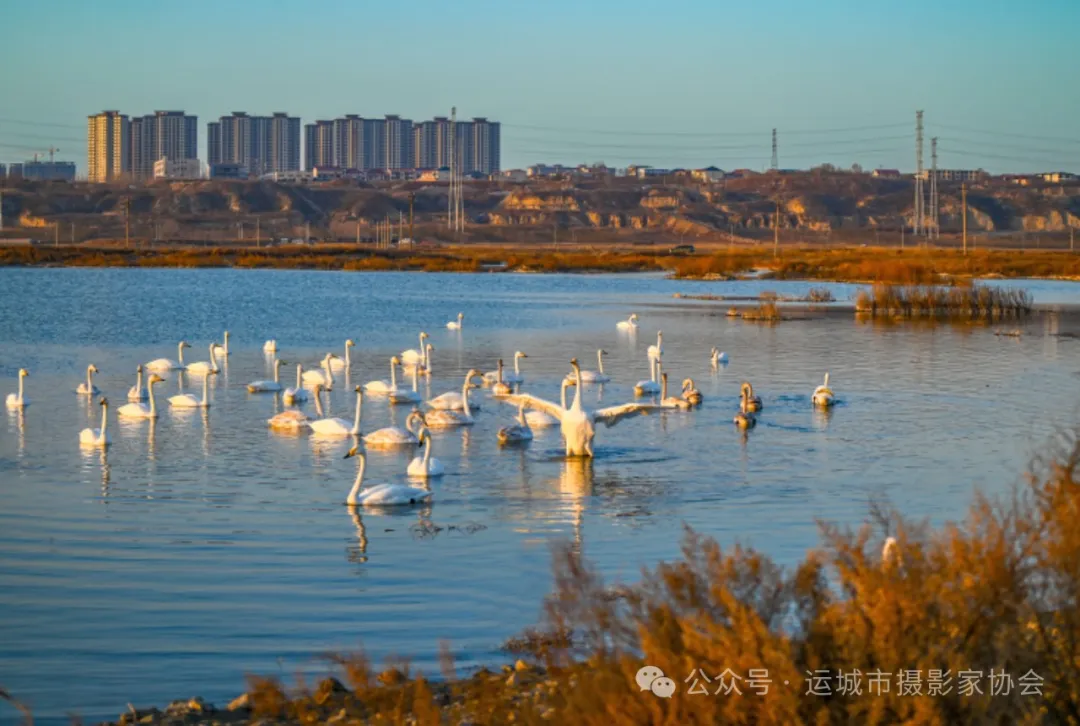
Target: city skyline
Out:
[701,83]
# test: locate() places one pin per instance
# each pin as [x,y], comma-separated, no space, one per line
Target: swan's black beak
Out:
[573,361]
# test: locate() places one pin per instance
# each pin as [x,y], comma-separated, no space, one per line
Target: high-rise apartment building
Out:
[107,146]
[476,143]
[485,145]
[171,135]
[261,144]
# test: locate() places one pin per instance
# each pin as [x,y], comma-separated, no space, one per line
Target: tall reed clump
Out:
[975,302]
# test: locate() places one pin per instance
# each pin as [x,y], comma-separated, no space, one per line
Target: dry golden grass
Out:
[972,302]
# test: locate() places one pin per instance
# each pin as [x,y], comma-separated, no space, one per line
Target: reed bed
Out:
[974,302]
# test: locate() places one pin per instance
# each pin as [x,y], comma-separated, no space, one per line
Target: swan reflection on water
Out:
[358,552]
[97,458]
[17,419]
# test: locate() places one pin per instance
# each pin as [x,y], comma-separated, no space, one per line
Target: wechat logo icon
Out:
[651,678]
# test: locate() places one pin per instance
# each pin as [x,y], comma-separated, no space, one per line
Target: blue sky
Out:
[666,83]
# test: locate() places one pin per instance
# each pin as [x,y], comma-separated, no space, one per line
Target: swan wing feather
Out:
[614,414]
[540,404]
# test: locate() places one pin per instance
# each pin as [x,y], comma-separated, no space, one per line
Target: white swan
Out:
[382,495]
[443,417]
[290,420]
[138,391]
[87,387]
[655,351]
[337,364]
[297,394]
[203,367]
[425,467]
[97,437]
[519,432]
[164,364]
[666,401]
[454,401]
[650,386]
[336,426]
[396,435]
[222,350]
[717,356]
[264,386]
[629,324]
[456,324]
[578,424]
[537,419]
[384,386]
[322,377]
[691,393]
[412,356]
[399,396]
[597,376]
[515,377]
[18,400]
[500,387]
[188,400]
[270,346]
[142,410]
[823,395]
[749,402]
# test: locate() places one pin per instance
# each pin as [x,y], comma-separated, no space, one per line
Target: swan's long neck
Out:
[562,394]
[277,367]
[498,372]
[517,368]
[521,415]
[205,386]
[348,360]
[180,353]
[427,451]
[465,397]
[318,402]
[652,368]
[213,359]
[663,386]
[393,375]
[299,375]
[427,358]
[356,419]
[89,380]
[226,345]
[21,387]
[351,499]
[104,421]
[826,380]
[415,373]
[600,362]
[577,389]
[153,406]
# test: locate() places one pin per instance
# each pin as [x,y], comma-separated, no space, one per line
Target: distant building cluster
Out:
[123,148]
[363,144]
[39,170]
[256,145]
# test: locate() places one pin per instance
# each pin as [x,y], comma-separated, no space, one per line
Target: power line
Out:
[705,148]
[41,123]
[696,134]
[1030,137]
[66,139]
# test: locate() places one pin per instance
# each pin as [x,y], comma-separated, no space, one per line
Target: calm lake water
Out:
[202,548]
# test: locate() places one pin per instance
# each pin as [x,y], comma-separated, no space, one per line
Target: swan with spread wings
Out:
[578,424]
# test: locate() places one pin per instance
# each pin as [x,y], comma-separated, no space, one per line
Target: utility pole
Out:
[776,231]
[1071,247]
[56,234]
[775,158]
[127,222]
[934,212]
[963,204]
[258,235]
[307,232]
[241,231]
[902,228]
[918,226]
[412,196]
[72,233]
[358,231]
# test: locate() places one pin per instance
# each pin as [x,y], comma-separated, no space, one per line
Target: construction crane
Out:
[51,151]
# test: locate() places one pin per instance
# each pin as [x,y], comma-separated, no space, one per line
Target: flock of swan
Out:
[577,423]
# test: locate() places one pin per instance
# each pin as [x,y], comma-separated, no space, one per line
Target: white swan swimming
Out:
[164,364]
[396,435]
[270,346]
[500,387]
[338,364]
[203,367]
[515,377]
[597,376]
[322,377]
[519,432]
[749,402]
[383,386]
[222,350]
[629,324]
[456,324]
[289,420]
[412,356]
[425,467]
[264,386]
[579,424]
[97,437]
[675,402]
[188,400]
[18,400]
[691,393]
[823,395]
[650,386]
[655,351]
[138,391]
[383,495]
[444,417]
[717,357]
[537,419]
[142,410]
[336,426]
[400,396]
[87,387]
[296,394]
[454,401]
